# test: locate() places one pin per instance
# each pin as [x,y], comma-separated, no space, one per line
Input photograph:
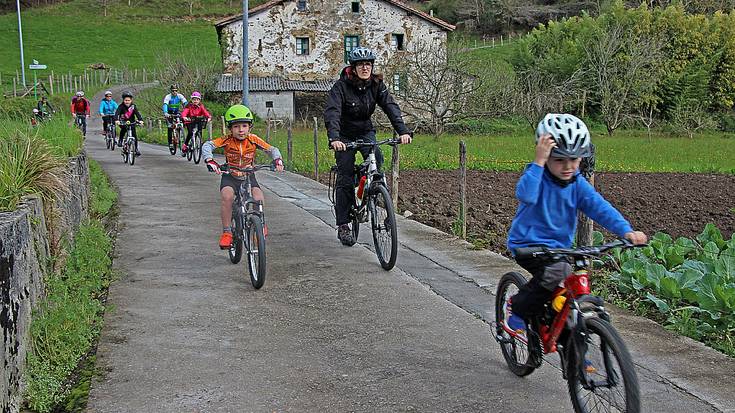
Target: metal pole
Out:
[20,37]
[35,86]
[245,77]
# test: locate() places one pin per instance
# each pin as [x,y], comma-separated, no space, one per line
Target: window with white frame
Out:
[302,45]
[396,83]
[351,42]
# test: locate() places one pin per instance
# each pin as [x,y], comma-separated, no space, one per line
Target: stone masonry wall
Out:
[25,256]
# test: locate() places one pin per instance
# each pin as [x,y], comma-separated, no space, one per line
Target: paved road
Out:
[330,330]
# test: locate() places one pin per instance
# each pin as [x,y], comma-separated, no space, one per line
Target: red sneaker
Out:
[225,241]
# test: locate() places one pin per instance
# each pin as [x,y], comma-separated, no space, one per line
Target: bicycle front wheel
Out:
[603,377]
[515,350]
[256,251]
[235,251]
[132,149]
[113,138]
[197,144]
[383,223]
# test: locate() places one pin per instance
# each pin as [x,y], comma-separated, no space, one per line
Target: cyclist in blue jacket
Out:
[173,104]
[550,192]
[108,106]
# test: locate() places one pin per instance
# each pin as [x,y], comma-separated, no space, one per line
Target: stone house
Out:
[298,47]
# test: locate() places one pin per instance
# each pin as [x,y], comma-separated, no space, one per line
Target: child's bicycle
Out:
[373,201]
[247,225]
[129,143]
[177,133]
[110,133]
[195,150]
[594,360]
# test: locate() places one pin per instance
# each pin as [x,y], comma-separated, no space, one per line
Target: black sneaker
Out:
[344,234]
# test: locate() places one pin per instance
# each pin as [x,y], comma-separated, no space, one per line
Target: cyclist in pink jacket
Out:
[195,108]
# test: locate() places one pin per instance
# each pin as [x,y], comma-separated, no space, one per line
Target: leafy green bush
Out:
[690,282]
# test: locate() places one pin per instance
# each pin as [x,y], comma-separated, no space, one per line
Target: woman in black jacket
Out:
[350,106]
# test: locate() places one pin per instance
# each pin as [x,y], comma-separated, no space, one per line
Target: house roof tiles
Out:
[230,83]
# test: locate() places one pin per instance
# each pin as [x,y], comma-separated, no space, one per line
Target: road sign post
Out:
[35,66]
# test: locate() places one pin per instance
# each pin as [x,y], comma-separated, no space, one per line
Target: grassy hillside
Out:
[71,36]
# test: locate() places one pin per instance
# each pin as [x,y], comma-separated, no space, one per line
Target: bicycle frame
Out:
[369,170]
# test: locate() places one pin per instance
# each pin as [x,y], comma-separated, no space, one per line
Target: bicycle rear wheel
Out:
[256,251]
[189,153]
[602,378]
[107,139]
[383,224]
[515,351]
[235,251]
[197,146]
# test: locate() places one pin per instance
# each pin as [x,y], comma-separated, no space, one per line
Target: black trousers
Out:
[546,275]
[345,186]
[106,121]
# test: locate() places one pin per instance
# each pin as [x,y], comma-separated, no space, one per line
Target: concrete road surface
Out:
[330,331]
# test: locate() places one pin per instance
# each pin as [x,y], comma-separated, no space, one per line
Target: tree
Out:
[438,85]
[621,67]
[537,93]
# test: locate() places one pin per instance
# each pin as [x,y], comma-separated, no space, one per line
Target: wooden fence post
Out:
[316,151]
[209,128]
[289,145]
[224,132]
[15,87]
[394,162]
[160,131]
[585,225]
[51,84]
[463,188]
[268,129]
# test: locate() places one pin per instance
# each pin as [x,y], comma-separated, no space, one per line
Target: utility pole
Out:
[20,38]
[245,77]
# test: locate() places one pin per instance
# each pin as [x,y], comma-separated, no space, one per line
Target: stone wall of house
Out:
[26,249]
[273,33]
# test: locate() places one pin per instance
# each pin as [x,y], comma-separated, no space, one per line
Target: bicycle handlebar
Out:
[128,123]
[591,251]
[226,167]
[362,144]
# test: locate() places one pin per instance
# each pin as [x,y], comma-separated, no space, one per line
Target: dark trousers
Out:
[345,186]
[189,132]
[106,121]
[546,276]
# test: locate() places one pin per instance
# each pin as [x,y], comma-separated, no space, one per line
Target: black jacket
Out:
[122,110]
[352,102]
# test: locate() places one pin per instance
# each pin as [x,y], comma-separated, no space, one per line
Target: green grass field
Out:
[510,150]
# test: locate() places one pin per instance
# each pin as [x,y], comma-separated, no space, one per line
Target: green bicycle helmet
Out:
[238,113]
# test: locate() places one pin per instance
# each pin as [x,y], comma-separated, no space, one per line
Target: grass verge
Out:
[68,322]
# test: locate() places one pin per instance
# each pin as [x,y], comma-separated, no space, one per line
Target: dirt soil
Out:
[676,203]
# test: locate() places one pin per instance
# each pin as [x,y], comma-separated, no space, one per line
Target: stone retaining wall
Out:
[27,245]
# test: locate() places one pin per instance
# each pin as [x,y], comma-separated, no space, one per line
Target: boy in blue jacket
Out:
[550,192]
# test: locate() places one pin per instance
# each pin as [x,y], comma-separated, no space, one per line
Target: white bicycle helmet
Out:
[570,133]
[80,93]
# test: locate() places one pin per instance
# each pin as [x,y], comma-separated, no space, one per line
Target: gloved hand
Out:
[278,162]
[213,166]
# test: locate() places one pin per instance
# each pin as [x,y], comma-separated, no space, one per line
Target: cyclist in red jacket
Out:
[80,107]
[193,109]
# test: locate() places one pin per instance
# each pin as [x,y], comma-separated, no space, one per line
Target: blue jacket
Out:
[108,108]
[547,213]
[174,103]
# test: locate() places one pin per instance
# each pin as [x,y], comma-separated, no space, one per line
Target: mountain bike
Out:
[598,368]
[130,142]
[177,133]
[80,121]
[373,202]
[248,220]
[195,150]
[110,133]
